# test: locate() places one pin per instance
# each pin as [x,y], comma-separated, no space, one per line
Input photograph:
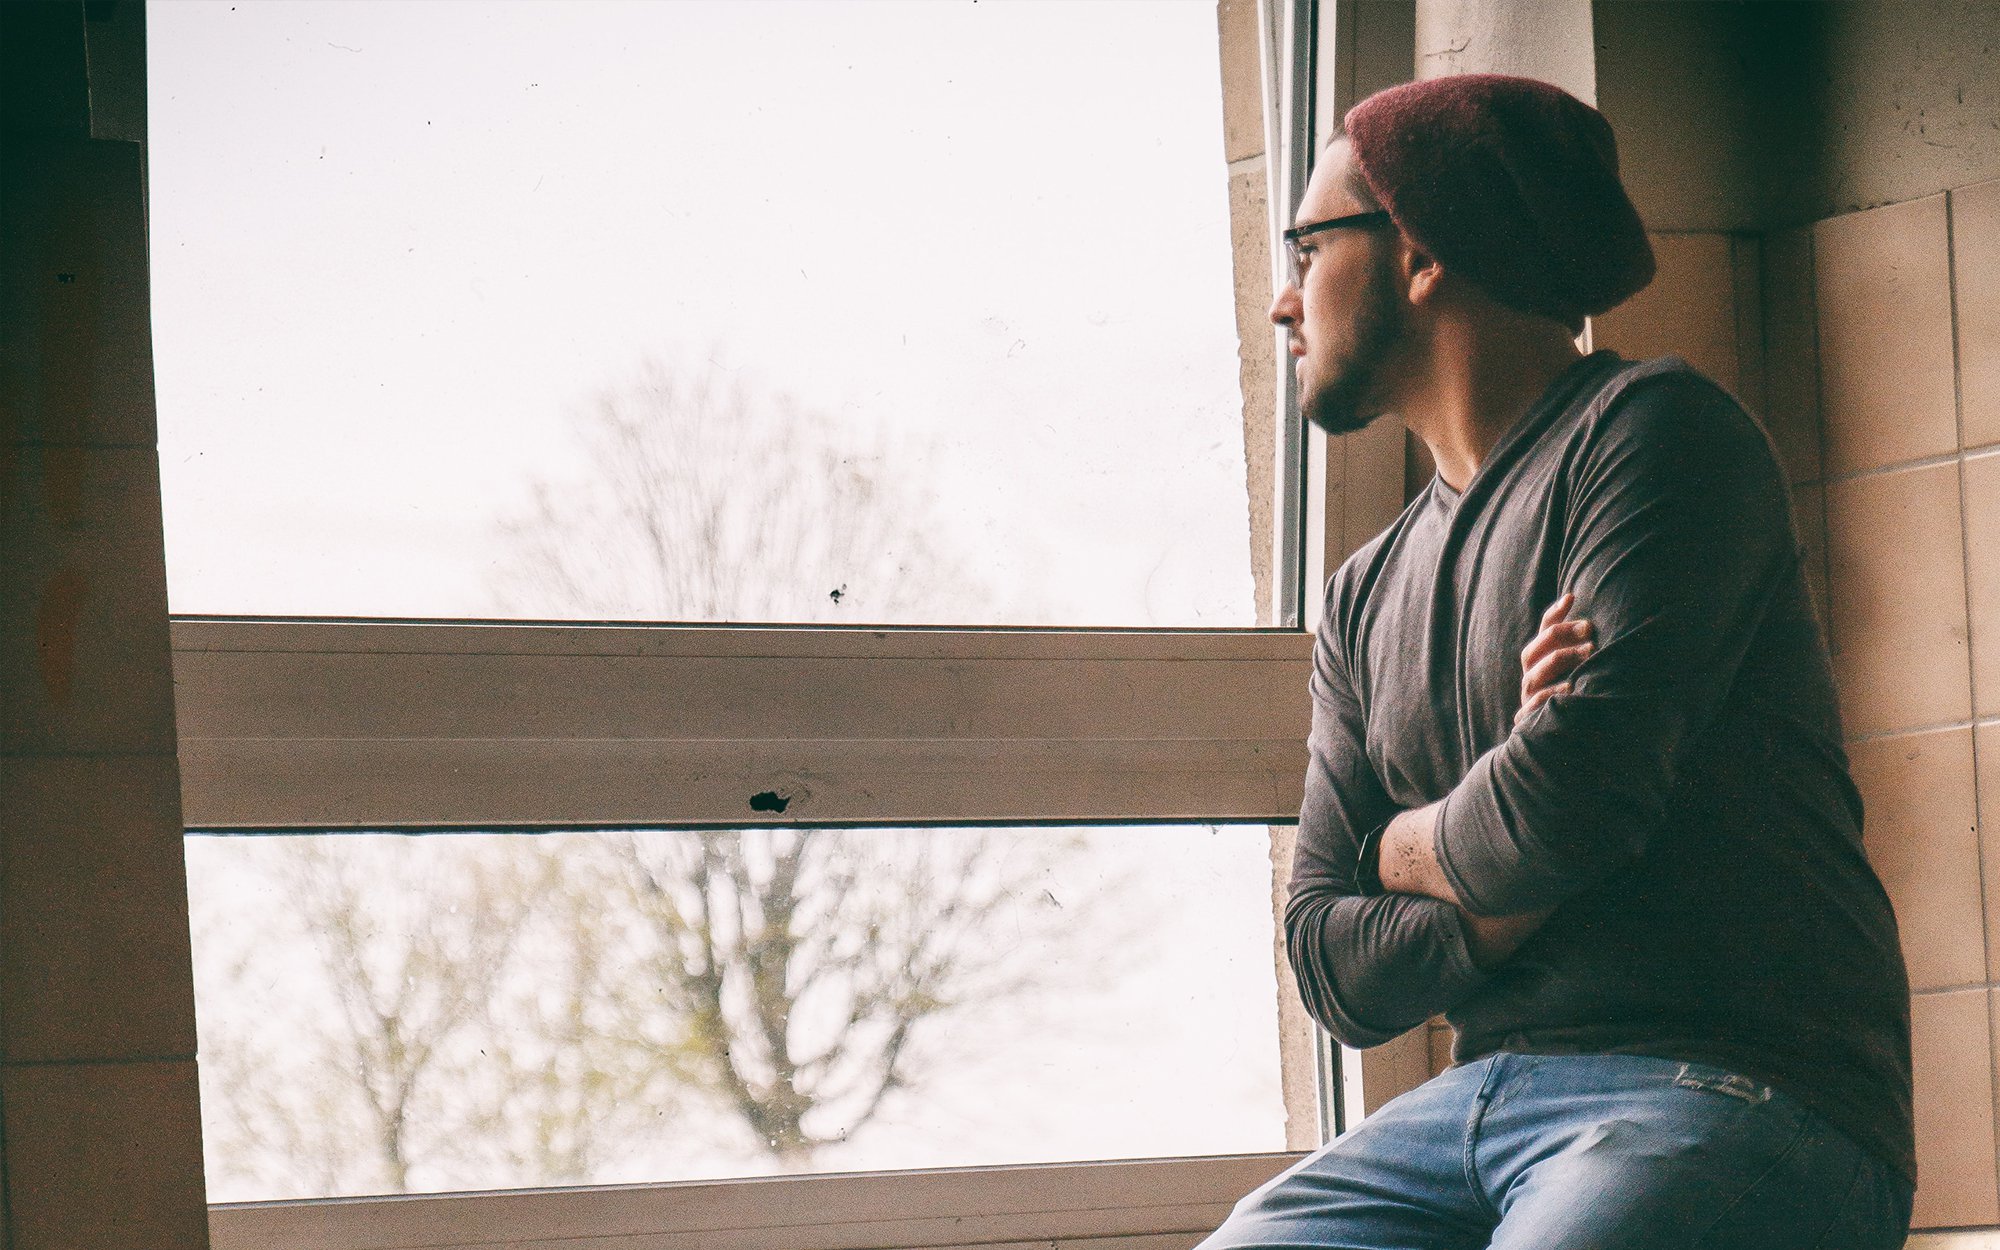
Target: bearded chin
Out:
[1336,408]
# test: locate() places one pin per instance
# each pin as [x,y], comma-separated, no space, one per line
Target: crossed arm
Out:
[1372,965]
[1408,862]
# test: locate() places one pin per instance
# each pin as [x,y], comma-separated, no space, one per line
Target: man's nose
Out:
[1285,308]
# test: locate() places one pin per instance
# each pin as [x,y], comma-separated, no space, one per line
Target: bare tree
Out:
[411,1013]
[704,500]
[522,1017]
[803,962]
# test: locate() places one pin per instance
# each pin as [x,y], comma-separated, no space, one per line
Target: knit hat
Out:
[1509,182]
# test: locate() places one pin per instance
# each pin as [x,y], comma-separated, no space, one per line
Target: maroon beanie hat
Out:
[1509,182]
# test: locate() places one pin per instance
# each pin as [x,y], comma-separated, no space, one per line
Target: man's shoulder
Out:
[1665,406]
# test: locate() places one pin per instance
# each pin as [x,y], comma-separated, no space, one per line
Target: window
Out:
[847,313]
[393,1014]
[1036,420]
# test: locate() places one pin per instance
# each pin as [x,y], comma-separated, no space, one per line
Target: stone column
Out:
[100,1118]
[1545,39]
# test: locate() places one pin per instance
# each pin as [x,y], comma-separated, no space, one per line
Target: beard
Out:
[1349,399]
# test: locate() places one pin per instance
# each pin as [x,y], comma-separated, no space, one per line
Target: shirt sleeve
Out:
[1369,969]
[1678,535]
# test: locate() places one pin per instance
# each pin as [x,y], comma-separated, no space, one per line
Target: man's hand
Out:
[1555,653]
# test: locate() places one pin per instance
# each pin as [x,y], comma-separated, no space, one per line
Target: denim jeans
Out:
[1580,1152]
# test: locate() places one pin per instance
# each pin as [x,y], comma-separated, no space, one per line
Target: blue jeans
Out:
[1580,1152]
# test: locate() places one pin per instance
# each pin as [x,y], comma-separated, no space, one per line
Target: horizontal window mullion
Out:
[332,636]
[519,728]
[492,784]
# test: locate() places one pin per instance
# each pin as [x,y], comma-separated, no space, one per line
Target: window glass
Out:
[393,1013]
[863,312]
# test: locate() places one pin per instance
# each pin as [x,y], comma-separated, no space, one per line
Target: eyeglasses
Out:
[1295,261]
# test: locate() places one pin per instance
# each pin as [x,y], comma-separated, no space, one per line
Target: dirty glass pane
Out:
[861,312]
[391,1013]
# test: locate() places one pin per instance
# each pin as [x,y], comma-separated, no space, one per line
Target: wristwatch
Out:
[1368,863]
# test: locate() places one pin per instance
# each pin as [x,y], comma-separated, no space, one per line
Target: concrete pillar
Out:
[1545,39]
[100,1121]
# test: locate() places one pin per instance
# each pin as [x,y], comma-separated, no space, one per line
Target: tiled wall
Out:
[1879,379]
[1909,340]
[99,1117]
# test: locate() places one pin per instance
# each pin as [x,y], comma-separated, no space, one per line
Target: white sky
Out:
[396,244]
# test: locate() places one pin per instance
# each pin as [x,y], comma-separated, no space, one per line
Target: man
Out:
[1632,877]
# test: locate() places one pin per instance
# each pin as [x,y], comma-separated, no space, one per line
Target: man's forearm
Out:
[1370,969]
[1408,864]
[1408,857]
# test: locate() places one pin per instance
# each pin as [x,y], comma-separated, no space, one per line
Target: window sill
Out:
[1128,1205]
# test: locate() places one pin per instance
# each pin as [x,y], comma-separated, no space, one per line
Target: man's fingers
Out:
[1554,654]
[1557,610]
[1537,699]
[1553,667]
[1561,634]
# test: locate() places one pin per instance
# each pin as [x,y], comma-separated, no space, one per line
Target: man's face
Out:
[1344,314]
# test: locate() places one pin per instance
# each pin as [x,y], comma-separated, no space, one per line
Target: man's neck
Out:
[1477,387]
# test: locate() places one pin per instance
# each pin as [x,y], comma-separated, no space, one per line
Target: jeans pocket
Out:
[1823,1193]
[1875,1214]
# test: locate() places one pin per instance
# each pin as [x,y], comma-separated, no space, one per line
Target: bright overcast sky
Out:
[396,245]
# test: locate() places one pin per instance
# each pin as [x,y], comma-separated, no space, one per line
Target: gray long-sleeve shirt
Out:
[1687,811]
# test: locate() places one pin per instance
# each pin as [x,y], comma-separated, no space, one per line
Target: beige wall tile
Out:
[1975,245]
[1922,838]
[1688,310]
[76,364]
[1959,1239]
[1897,575]
[1791,352]
[1440,1037]
[1394,1068]
[1249,232]
[1986,750]
[1952,1056]
[1746,265]
[104,1156]
[1982,574]
[1371,486]
[1809,516]
[93,910]
[1242,79]
[1883,298]
[84,654]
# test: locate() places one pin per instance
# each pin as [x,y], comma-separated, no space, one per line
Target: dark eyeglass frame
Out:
[1372,217]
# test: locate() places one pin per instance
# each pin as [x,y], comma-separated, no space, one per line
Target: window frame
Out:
[1146,1204]
[491,725]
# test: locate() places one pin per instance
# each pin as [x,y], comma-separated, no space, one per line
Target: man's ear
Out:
[1423,276]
